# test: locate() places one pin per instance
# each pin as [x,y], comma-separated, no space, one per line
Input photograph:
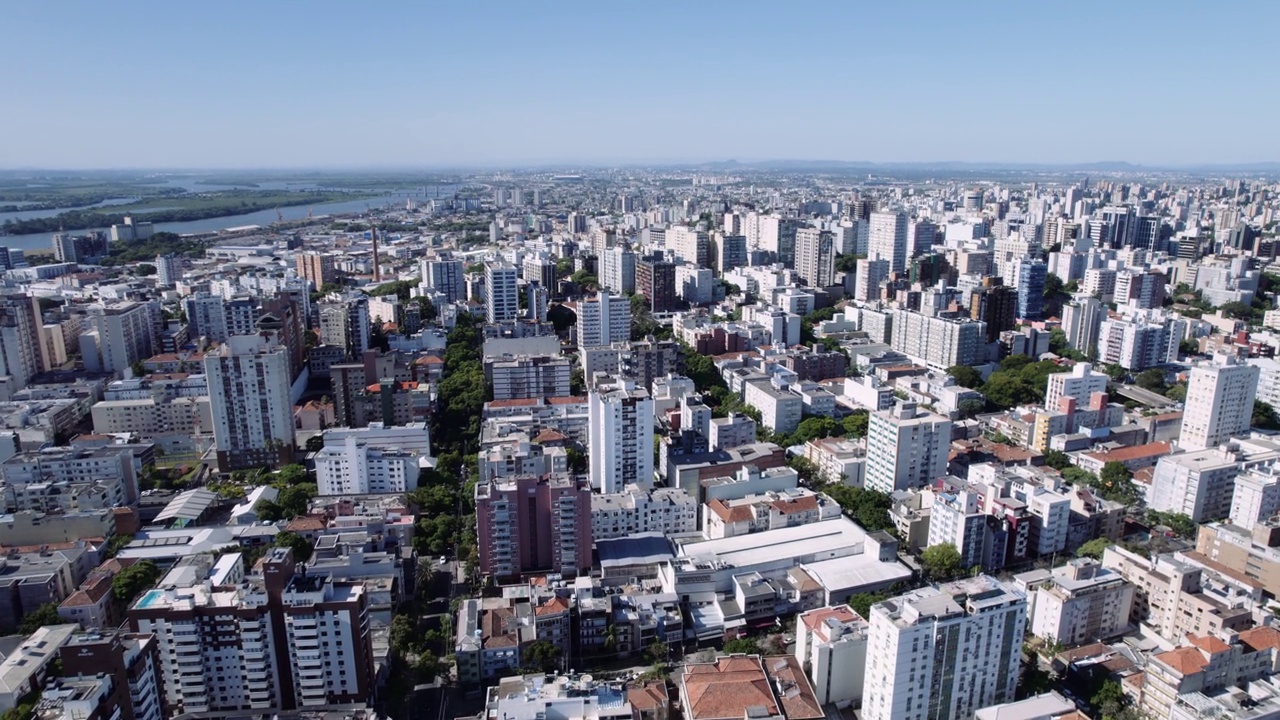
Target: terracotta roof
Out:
[1184,661]
[493,628]
[519,402]
[554,606]
[794,690]
[306,523]
[815,618]
[1132,453]
[803,580]
[91,591]
[550,436]
[727,688]
[1209,643]
[648,697]
[807,503]
[567,400]
[1261,638]
[737,513]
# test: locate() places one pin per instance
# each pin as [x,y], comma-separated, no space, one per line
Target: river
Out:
[44,241]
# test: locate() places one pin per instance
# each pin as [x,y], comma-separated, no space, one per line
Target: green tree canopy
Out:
[941,562]
[855,424]
[302,548]
[132,580]
[541,655]
[746,646]
[1094,548]
[965,376]
[46,614]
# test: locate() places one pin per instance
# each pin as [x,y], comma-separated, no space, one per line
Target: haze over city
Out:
[335,84]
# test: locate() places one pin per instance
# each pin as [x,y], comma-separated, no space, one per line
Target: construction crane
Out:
[279,216]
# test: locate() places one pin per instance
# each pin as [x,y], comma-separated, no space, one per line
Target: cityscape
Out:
[615,410]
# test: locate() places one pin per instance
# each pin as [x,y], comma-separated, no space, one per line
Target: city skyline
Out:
[459,86]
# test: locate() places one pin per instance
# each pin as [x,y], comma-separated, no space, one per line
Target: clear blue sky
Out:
[95,84]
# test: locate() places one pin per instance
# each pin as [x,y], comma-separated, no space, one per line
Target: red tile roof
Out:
[727,688]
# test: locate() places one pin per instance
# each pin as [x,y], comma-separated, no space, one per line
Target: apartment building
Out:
[669,511]
[1079,602]
[282,640]
[533,524]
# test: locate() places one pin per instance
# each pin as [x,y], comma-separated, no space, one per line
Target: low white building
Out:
[838,459]
[357,467]
[831,644]
[670,511]
[780,410]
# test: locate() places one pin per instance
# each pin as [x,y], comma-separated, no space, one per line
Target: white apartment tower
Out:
[119,336]
[446,277]
[1219,403]
[689,244]
[362,468]
[815,256]
[1081,319]
[249,399]
[621,435]
[906,448]
[1079,384]
[943,652]
[501,296]
[887,239]
[603,320]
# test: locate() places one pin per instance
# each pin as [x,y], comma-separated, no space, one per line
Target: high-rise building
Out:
[1198,484]
[1256,498]
[501,295]
[346,324]
[832,643]
[1080,384]
[286,639]
[317,268]
[1029,278]
[815,257]
[249,398]
[621,419]
[1219,402]
[618,270]
[887,239]
[525,377]
[206,316]
[1143,290]
[944,652]
[868,275]
[689,244]
[168,269]
[921,235]
[131,660]
[603,320]
[1081,602]
[728,251]
[939,342]
[119,335]
[777,235]
[656,281]
[906,448]
[84,248]
[445,277]
[528,524]
[996,305]
[1081,319]
[22,355]
[1136,344]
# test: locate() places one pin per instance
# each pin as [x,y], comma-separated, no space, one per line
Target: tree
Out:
[295,499]
[1115,485]
[1109,700]
[1057,460]
[301,547]
[268,511]
[746,646]
[541,655]
[315,443]
[813,428]
[1181,525]
[46,614]
[941,562]
[131,581]
[657,652]
[427,666]
[970,407]
[1152,380]
[1264,416]
[292,474]
[855,425]
[1094,548]
[1177,392]
[1237,311]
[144,270]
[1189,347]
[862,602]
[403,635]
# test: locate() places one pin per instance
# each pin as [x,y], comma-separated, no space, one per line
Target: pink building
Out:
[530,525]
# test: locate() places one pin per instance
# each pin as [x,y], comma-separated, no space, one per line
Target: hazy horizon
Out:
[239,86]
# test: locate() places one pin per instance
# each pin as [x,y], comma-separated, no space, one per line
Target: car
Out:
[443,560]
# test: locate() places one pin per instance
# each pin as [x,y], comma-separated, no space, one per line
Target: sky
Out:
[230,84]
